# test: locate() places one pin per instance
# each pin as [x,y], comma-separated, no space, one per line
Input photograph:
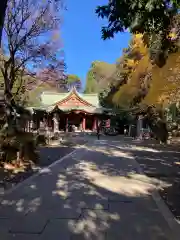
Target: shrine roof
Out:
[91,110]
[50,98]
[50,101]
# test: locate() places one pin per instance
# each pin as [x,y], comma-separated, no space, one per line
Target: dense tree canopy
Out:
[98,76]
[157,20]
[137,86]
[35,94]
[136,81]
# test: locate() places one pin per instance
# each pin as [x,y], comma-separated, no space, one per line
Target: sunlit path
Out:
[95,193]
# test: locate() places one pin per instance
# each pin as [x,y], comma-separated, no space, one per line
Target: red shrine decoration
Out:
[73,100]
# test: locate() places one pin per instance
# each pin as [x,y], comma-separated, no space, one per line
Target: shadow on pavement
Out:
[160,163]
[47,155]
[87,196]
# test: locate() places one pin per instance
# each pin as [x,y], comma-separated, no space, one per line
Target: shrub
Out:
[56,136]
[29,152]
[21,142]
[41,139]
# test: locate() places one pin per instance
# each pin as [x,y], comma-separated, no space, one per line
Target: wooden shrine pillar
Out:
[97,123]
[66,124]
[49,121]
[84,123]
[108,123]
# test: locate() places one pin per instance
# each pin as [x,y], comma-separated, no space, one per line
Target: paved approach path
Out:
[87,195]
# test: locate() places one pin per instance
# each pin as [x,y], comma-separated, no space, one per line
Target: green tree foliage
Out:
[155,19]
[91,84]
[20,87]
[73,81]
[98,76]
[34,95]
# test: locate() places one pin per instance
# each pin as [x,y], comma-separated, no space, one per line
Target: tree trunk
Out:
[3,5]
[160,130]
[10,113]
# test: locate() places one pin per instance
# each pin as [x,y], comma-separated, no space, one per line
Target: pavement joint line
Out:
[42,170]
[120,201]
[163,208]
[29,232]
[173,224]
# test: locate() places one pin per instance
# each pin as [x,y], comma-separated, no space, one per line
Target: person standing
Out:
[99,127]
[134,132]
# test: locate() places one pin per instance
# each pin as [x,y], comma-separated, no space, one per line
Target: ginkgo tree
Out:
[134,80]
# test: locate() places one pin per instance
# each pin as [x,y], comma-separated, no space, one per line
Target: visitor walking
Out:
[98,132]
[133,131]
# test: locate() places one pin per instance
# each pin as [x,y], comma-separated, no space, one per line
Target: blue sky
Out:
[82,38]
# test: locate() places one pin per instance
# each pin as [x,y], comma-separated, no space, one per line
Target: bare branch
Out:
[28,40]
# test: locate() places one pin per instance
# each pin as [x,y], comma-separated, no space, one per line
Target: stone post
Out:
[27,126]
[129,133]
[56,123]
[67,125]
[41,126]
[139,126]
[31,123]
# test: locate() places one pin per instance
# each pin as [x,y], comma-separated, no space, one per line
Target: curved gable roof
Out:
[51,98]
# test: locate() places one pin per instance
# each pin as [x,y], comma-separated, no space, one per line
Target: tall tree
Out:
[155,19]
[29,29]
[73,81]
[136,87]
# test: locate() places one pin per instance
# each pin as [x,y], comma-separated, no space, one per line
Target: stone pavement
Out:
[88,195]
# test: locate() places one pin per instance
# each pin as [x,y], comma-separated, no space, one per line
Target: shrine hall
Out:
[59,110]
